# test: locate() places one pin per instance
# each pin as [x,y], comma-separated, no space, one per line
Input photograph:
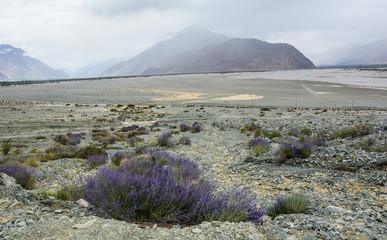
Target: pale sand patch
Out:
[171,95]
[236,97]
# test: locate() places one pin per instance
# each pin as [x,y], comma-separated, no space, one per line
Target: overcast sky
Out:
[72,33]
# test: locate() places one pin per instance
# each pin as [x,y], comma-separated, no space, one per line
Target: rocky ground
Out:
[345,181]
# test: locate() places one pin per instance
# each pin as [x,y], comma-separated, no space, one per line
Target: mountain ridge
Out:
[15,64]
[373,53]
[213,53]
[192,37]
[236,54]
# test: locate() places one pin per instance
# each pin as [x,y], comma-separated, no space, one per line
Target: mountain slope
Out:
[236,55]
[191,38]
[369,54]
[3,77]
[15,64]
[197,50]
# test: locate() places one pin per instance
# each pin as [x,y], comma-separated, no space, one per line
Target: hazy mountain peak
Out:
[354,54]
[15,64]
[194,37]
[8,49]
[196,50]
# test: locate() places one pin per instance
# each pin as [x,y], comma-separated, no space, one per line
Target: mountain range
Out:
[16,65]
[196,50]
[373,53]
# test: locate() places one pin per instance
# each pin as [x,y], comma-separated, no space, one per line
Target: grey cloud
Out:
[122,7]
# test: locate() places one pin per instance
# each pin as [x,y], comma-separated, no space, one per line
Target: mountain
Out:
[369,54]
[15,64]
[92,70]
[3,77]
[197,50]
[236,55]
[191,38]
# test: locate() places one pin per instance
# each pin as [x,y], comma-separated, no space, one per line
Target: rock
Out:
[196,230]
[83,203]
[58,211]
[6,180]
[338,210]
[84,225]
[21,224]
[30,221]
[3,220]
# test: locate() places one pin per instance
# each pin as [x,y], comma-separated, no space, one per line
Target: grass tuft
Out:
[293,204]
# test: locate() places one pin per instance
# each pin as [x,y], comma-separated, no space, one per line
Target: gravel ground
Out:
[345,185]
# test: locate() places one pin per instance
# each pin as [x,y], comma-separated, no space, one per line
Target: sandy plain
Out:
[301,88]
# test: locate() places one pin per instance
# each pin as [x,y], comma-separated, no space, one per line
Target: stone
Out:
[30,221]
[83,203]
[338,210]
[58,211]
[84,225]
[6,180]
[21,224]
[3,220]
[196,230]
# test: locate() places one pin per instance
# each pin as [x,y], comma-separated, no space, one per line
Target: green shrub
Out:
[90,150]
[6,147]
[271,135]
[293,204]
[260,150]
[358,130]
[306,132]
[380,149]
[366,144]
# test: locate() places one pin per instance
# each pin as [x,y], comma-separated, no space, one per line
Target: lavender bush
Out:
[69,138]
[170,191]
[185,140]
[289,150]
[259,146]
[129,128]
[165,140]
[24,176]
[134,141]
[196,128]
[185,127]
[119,156]
[294,132]
[95,161]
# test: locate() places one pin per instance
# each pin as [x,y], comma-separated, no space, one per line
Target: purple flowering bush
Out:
[294,132]
[196,128]
[24,176]
[69,138]
[259,146]
[165,188]
[185,127]
[95,161]
[119,156]
[165,140]
[185,140]
[290,150]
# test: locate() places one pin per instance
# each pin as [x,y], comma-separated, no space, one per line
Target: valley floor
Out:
[344,181]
